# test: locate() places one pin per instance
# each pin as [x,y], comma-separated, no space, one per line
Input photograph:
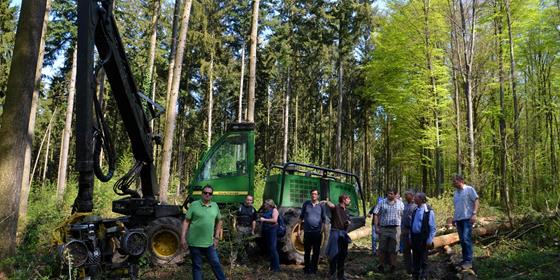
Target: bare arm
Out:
[329,204]
[272,220]
[184,231]
[218,229]
[476,205]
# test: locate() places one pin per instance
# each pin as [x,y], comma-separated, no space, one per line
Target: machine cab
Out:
[228,166]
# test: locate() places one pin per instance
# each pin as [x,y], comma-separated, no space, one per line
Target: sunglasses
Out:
[207,193]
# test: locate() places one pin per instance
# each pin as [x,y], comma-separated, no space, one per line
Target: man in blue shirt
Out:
[422,233]
[312,219]
[465,200]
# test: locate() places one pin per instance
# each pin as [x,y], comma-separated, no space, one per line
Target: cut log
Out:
[452,238]
[360,233]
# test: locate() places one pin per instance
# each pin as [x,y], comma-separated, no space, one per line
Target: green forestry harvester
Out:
[229,167]
[113,247]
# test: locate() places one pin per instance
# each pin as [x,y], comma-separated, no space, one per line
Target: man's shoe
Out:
[466,265]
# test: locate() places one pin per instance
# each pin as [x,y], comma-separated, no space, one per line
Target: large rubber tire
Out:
[291,246]
[164,244]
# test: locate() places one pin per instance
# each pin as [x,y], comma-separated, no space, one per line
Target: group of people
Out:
[406,227]
[410,228]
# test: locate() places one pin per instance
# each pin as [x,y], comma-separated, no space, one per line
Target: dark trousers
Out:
[270,235]
[213,259]
[311,240]
[419,256]
[336,264]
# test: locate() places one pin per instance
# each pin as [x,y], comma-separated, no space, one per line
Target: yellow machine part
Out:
[164,243]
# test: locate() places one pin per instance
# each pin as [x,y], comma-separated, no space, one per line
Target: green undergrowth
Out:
[535,254]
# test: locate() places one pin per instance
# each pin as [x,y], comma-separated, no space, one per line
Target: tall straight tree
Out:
[171,114]
[468,21]
[26,183]
[517,175]
[67,132]
[253,63]
[15,119]
[156,4]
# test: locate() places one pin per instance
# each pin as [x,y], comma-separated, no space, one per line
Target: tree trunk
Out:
[517,174]
[340,111]
[48,154]
[253,63]
[173,50]
[287,118]
[171,113]
[502,121]
[67,132]
[26,182]
[48,137]
[15,120]
[468,37]
[296,106]
[240,105]
[156,4]
[210,98]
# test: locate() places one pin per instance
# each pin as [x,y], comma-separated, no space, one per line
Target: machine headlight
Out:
[134,243]
[74,253]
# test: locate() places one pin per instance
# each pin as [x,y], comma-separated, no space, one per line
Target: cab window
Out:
[229,159]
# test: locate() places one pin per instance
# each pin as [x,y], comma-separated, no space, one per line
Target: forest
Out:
[402,93]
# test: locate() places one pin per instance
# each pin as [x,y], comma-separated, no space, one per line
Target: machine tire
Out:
[164,244]
[291,245]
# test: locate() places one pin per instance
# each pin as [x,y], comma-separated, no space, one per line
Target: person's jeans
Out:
[271,238]
[312,239]
[464,229]
[373,240]
[213,259]
[336,264]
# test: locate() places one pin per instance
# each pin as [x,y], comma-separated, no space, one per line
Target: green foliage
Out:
[260,182]
[7,36]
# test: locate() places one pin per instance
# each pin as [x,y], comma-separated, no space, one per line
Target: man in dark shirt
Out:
[246,217]
[337,248]
[311,220]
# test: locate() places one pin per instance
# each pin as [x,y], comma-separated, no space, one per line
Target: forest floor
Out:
[533,254]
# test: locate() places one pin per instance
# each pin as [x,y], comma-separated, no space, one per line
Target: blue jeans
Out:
[464,229]
[270,234]
[213,259]
[373,240]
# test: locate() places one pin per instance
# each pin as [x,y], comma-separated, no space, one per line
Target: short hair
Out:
[342,197]
[422,197]
[269,203]
[208,187]
[393,190]
[250,196]
[458,177]
[313,190]
[410,191]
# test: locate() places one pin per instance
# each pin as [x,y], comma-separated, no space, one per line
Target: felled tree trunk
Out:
[452,238]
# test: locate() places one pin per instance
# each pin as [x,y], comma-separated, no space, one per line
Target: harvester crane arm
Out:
[97,27]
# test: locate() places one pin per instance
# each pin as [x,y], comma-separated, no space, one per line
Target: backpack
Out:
[281,226]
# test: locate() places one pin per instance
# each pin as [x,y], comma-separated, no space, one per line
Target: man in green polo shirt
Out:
[202,227]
